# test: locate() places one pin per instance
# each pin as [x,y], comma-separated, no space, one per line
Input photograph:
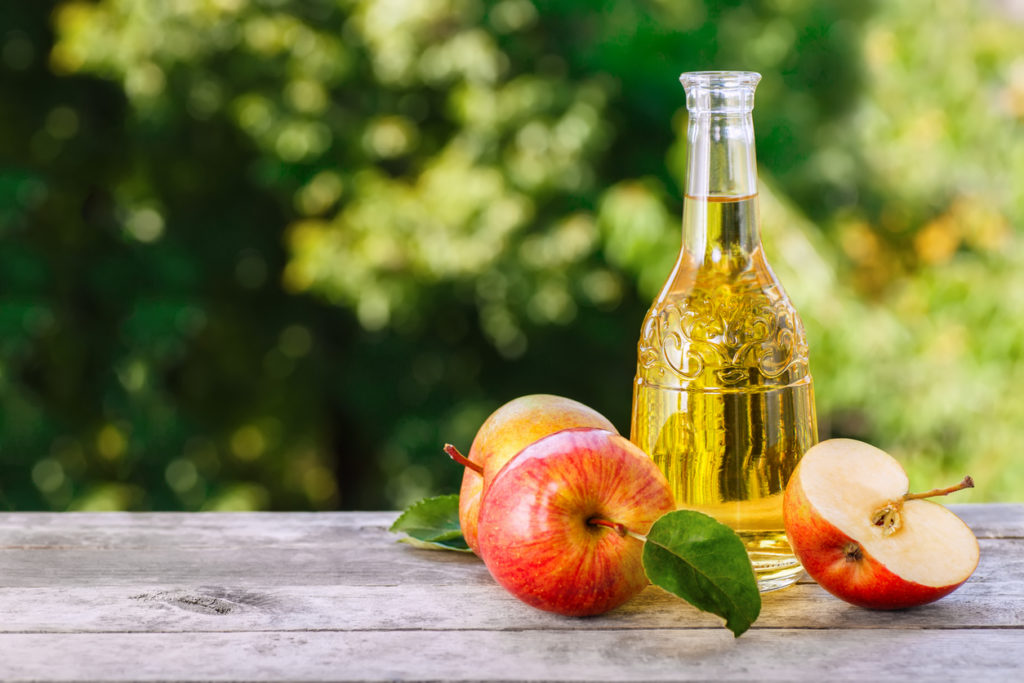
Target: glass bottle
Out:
[723,399]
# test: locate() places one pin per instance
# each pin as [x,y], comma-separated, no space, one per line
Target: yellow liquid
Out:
[723,399]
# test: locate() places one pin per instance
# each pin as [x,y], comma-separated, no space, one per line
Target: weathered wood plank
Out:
[307,596]
[369,564]
[993,520]
[366,608]
[361,557]
[392,586]
[233,549]
[653,654]
[363,554]
[290,529]
[204,529]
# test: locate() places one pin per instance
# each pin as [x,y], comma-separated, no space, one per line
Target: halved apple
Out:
[863,538]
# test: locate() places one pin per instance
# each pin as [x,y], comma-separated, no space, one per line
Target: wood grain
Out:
[420,654]
[217,529]
[306,596]
[209,608]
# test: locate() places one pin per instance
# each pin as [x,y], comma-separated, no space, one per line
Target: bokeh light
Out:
[273,254]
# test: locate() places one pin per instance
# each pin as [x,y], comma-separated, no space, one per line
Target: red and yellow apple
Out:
[508,430]
[554,521]
[863,538]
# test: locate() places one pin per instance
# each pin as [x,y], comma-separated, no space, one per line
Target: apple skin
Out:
[534,533]
[508,430]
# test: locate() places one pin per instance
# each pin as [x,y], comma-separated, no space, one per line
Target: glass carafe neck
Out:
[721,165]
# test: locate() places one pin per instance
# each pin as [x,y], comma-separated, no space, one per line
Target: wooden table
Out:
[304,596]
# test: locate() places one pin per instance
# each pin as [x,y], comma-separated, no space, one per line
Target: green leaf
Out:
[432,523]
[704,562]
[458,544]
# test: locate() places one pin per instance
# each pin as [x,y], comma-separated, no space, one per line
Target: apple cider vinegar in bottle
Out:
[723,399]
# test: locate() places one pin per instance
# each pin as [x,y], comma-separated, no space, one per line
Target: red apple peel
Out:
[556,522]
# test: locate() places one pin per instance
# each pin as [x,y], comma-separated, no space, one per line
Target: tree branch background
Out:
[271,254]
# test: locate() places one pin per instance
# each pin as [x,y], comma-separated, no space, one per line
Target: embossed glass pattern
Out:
[723,398]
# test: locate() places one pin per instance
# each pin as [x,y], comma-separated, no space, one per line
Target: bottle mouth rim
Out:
[720,79]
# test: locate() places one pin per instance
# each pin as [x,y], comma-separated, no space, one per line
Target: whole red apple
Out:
[508,430]
[863,538]
[544,521]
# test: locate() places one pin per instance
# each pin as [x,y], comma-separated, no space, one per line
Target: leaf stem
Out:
[639,537]
[458,457]
[967,483]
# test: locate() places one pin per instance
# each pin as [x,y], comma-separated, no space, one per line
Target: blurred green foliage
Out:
[271,254]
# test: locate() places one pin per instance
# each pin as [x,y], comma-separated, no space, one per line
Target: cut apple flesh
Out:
[848,482]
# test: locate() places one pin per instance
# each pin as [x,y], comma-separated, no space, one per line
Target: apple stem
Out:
[454,454]
[617,527]
[890,517]
[967,483]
